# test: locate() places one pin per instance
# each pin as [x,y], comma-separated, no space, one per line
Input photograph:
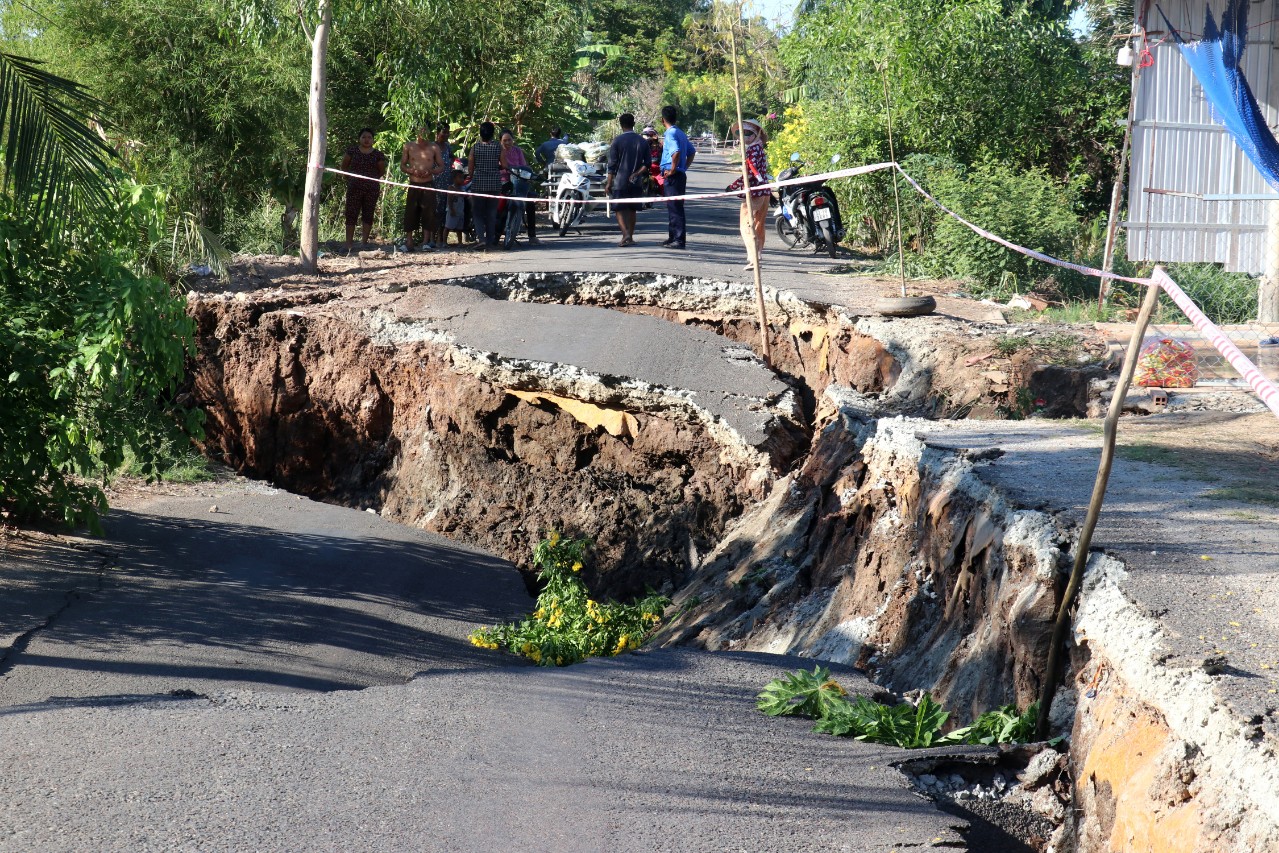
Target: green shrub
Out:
[908,725]
[569,626]
[91,349]
[1226,297]
[1027,207]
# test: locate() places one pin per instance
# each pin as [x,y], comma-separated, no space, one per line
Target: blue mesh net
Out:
[1216,61]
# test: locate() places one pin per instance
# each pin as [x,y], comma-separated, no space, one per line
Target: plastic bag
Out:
[1167,363]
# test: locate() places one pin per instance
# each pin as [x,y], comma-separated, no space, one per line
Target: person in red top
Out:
[754,217]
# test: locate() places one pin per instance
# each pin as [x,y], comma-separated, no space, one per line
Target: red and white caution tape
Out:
[1264,388]
[807,179]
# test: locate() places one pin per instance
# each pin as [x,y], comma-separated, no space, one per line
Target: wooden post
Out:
[746,188]
[1052,670]
[310,234]
[892,155]
[1117,191]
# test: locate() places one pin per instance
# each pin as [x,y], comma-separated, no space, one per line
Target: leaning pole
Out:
[746,189]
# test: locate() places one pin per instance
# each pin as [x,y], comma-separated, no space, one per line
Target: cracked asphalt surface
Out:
[197,691]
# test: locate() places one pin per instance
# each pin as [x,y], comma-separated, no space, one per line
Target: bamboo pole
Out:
[751,248]
[892,155]
[1052,670]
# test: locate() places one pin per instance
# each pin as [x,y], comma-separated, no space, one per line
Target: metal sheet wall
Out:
[1176,146]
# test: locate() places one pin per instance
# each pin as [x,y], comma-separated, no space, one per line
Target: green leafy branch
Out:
[911,726]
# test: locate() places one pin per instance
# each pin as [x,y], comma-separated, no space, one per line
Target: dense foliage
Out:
[980,81]
[569,626]
[90,353]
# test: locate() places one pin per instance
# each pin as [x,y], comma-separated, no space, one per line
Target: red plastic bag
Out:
[1167,363]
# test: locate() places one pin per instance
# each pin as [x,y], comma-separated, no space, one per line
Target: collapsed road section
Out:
[832,507]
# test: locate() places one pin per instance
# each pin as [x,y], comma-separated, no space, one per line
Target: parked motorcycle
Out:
[521,176]
[808,213]
[572,198]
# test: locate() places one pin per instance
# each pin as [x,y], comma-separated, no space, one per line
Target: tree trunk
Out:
[310,237]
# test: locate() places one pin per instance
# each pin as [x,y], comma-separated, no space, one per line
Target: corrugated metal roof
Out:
[1177,147]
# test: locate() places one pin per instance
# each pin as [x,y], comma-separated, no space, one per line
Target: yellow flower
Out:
[553,539]
[577,567]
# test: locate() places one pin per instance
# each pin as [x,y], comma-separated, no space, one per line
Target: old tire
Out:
[905,306]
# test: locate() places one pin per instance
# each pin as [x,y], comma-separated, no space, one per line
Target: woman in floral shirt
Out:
[362,194]
[755,207]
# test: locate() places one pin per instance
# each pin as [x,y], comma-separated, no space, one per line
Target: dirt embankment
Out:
[886,554]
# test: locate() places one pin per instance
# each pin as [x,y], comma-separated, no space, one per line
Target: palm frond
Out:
[52,156]
[192,242]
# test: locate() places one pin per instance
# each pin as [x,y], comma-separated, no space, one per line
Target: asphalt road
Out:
[715,250]
[1203,566]
[194,690]
[627,351]
[271,591]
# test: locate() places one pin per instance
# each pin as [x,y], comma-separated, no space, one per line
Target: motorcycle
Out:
[572,197]
[515,203]
[808,213]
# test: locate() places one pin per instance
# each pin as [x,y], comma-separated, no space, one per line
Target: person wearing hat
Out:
[754,219]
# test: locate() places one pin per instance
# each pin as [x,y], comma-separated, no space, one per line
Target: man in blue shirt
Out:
[677,156]
[546,151]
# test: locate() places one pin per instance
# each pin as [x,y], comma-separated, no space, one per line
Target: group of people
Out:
[636,161]
[631,158]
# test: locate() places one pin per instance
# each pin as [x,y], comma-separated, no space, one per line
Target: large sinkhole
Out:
[781,506]
[837,505]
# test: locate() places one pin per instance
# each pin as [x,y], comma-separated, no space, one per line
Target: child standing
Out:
[455,212]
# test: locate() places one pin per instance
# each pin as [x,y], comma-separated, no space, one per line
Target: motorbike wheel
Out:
[786,230]
[828,237]
[514,217]
[566,212]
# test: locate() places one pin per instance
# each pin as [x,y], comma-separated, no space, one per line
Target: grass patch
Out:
[1060,348]
[1244,514]
[179,465]
[1145,452]
[1096,427]
[1245,493]
[1010,344]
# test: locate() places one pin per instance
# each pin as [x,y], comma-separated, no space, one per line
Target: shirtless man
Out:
[421,161]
